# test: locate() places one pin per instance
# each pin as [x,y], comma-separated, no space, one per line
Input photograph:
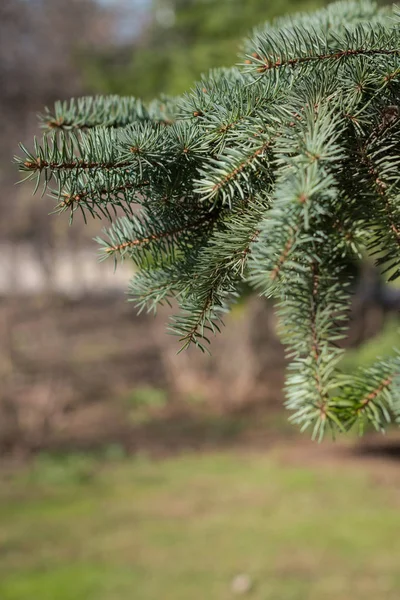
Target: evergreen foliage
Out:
[278,172]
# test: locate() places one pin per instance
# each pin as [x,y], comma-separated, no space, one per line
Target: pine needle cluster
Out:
[277,172]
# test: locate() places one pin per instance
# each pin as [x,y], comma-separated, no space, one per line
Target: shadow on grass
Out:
[387,449]
[197,432]
[171,432]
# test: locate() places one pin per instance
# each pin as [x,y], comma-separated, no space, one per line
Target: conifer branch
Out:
[285,253]
[108,111]
[39,165]
[86,196]
[268,65]
[171,233]
[278,173]
[371,396]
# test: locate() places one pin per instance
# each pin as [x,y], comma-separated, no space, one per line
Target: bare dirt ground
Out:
[72,374]
[71,371]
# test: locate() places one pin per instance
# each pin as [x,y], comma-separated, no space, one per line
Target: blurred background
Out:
[127,471]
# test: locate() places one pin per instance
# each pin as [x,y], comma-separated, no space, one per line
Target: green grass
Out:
[182,528]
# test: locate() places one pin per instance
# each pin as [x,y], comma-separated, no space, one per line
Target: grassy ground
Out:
[182,528]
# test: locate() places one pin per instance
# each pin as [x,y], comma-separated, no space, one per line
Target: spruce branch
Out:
[297,48]
[91,197]
[279,172]
[106,111]
[371,395]
[162,235]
